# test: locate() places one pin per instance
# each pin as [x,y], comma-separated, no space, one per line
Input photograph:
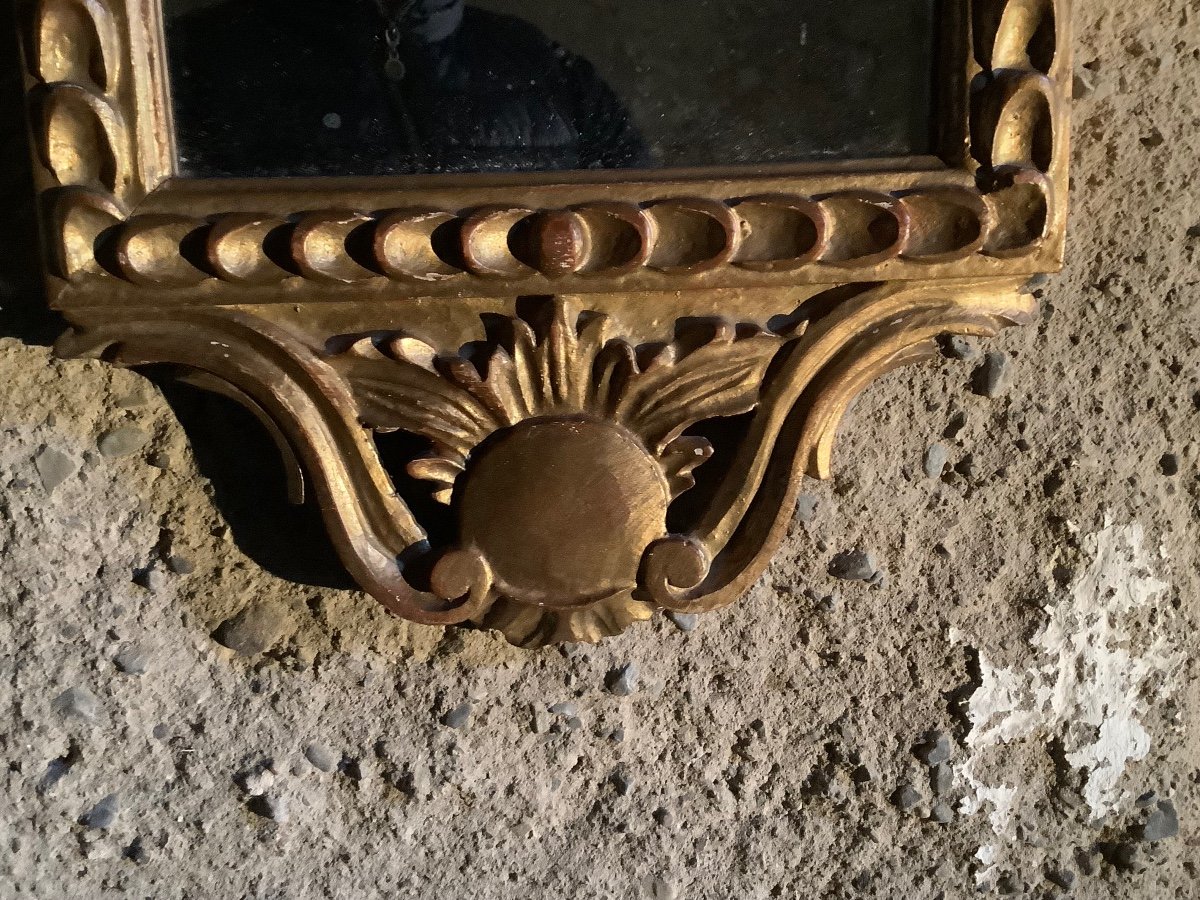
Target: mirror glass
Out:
[391,87]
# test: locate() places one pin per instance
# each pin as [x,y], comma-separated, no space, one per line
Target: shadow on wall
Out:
[231,448]
[241,462]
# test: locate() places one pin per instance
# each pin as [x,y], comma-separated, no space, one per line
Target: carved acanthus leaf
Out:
[404,384]
[721,378]
[399,395]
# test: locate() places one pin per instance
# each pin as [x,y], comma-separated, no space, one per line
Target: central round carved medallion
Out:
[563,509]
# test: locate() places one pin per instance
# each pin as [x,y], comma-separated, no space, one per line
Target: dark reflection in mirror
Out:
[373,87]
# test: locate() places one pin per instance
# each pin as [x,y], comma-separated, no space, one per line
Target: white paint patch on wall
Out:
[1086,684]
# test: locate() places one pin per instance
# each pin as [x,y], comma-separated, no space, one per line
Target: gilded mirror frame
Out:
[557,341]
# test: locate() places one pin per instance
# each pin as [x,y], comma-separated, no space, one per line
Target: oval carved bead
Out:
[84,141]
[83,216]
[77,42]
[1023,131]
[149,250]
[867,228]
[1020,210]
[555,243]
[485,243]
[237,249]
[322,246]
[620,237]
[693,236]
[945,225]
[780,233]
[407,245]
[1025,36]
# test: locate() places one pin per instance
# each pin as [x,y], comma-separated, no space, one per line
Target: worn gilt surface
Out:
[563,355]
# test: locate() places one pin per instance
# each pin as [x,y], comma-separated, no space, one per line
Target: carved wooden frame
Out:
[337,308]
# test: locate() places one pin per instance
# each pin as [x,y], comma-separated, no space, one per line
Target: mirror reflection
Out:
[389,87]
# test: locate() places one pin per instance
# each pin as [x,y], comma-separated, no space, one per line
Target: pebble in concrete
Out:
[321,757]
[459,717]
[992,377]
[103,814]
[151,578]
[258,783]
[133,659]
[1061,877]
[624,681]
[122,441]
[180,565]
[806,508]
[906,797]
[53,468]
[957,347]
[1010,883]
[942,813]
[934,463]
[1162,824]
[135,852]
[271,806]
[1083,86]
[1088,860]
[77,703]
[941,779]
[255,629]
[684,621]
[570,717]
[935,749]
[57,770]
[853,565]
[417,782]
[277,808]
[1125,856]
[622,782]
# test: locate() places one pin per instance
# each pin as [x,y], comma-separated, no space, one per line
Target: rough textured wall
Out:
[1034,638]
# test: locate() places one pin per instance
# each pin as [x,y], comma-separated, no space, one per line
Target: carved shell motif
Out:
[559,456]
